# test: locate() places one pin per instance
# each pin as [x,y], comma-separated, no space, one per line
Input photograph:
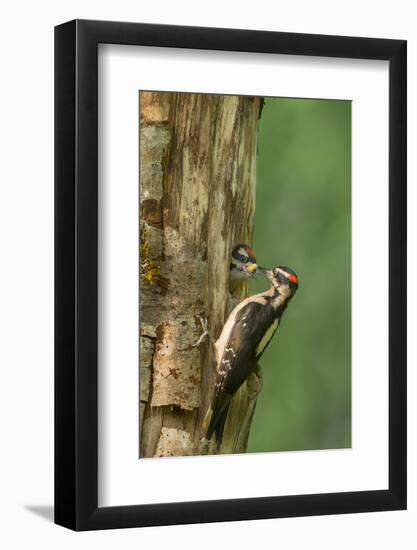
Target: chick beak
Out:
[251,268]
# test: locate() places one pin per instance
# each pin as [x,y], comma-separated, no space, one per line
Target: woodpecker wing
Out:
[254,326]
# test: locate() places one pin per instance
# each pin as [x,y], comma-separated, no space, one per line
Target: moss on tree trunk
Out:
[197,199]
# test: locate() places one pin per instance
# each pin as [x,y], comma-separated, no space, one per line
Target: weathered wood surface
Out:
[197,199]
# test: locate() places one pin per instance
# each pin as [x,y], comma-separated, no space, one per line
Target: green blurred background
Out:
[303,220]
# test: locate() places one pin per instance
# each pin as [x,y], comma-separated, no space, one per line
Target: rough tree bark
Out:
[197,199]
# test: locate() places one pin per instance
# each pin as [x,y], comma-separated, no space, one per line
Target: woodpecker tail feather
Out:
[215,421]
[219,428]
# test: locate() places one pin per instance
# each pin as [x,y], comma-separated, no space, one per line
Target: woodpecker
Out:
[242,267]
[242,263]
[245,336]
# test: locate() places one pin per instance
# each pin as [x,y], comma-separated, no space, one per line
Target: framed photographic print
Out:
[230,275]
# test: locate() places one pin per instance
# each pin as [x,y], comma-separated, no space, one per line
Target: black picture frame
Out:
[76,271]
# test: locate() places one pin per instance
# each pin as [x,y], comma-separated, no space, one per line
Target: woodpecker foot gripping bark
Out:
[204,324]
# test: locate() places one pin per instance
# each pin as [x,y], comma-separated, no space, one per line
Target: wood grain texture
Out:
[197,199]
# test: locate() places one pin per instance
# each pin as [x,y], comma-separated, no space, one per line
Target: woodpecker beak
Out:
[251,268]
[267,272]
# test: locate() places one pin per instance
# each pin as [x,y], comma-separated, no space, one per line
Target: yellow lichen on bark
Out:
[197,199]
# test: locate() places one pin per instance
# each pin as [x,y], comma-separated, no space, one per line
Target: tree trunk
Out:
[197,199]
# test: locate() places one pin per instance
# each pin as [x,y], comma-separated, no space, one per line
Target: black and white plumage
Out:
[245,336]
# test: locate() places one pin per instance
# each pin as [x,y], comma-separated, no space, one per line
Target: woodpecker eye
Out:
[242,255]
[285,274]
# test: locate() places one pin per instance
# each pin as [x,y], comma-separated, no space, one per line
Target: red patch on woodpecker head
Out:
[292,278]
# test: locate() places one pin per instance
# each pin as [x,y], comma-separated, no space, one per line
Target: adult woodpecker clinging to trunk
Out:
[244,337]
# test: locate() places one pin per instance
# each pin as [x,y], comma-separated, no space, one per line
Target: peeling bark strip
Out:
[197,199]
[174,442]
